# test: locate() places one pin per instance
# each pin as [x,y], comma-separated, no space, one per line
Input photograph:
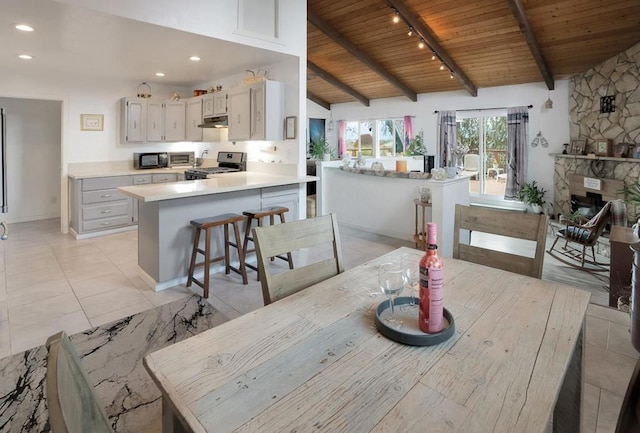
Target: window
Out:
[374,138]
[485,134]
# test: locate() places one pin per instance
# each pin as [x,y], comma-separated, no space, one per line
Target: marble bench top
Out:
[112,357]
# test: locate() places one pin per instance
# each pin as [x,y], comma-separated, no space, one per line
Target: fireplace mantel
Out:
[598,158]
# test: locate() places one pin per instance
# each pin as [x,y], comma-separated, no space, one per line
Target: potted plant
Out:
[532,196]
[416,146]
[319,149]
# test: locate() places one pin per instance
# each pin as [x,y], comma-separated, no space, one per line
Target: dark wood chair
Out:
[73,407]
[629,418]
[293,236]
[578,238]
[513,224]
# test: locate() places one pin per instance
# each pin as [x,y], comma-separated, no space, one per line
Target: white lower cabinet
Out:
[286,195]
[97,205]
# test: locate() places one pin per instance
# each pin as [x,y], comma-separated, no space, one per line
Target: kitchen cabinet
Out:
[174,121]
[219,103]
[133,120]
[207,105]
[194,118]
[155,121]
[97,205]
[256,111]
[286,195]
[145,120]
[164,178]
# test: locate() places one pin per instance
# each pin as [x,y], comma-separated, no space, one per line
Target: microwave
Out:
[182,159]
[151,160]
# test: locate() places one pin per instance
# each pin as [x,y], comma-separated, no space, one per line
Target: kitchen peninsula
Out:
[165,210]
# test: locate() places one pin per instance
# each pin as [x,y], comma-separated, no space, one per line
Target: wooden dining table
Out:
[315,362]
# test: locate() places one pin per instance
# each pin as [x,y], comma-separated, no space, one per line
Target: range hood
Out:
[215,122]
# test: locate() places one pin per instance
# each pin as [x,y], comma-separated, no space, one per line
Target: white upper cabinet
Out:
[240,113]
[208,105]
[194,118]
[133,118]
[155,121]
[174,121]
[219,103]
[256,111]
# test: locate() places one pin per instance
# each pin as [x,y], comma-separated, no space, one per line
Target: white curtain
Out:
[446,136]
[517,139]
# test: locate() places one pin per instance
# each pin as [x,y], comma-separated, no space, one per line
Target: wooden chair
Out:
[512,224]
[629,418]
[73,407]
[292,236]
[586,236]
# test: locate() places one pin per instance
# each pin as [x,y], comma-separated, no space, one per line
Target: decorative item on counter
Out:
[451,172]
[401,165]
[376,165]
[144,90]
[438,174]
[175,96]
[425,194]
[458,151]
[566,146]
[198,92]
[254,77]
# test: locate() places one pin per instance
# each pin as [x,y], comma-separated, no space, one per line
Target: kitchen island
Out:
[165,210]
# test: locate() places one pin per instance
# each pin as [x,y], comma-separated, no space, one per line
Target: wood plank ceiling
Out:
[356,53]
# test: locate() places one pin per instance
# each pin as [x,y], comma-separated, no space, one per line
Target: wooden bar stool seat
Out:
[207,224]
[258,215]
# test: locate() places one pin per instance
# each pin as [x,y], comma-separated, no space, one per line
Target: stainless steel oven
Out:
[228,162]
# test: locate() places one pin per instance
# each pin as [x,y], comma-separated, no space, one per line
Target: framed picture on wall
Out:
[577,147]
[621,150]
[603,147]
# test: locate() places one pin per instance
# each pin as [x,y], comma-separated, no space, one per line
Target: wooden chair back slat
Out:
[278,239]
[512,224]
[73,407]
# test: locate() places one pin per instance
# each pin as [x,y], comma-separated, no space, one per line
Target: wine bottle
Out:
[430,269]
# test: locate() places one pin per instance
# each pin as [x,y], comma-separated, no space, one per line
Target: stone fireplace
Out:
[614,173]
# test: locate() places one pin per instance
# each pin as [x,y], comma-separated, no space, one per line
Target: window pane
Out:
[399,135]
[366,138]
[385,138]
[351,139]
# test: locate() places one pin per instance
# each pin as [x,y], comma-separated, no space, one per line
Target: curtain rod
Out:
[482,109]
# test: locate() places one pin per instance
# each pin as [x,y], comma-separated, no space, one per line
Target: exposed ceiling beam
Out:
[321,102]
[523,21]
[376,67]
[321,73]
[423,30]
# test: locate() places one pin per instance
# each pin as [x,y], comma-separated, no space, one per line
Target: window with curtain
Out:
[374,138]
[484,134]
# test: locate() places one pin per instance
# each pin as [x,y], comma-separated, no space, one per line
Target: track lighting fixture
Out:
[410,33]
[442,66]
[421,45]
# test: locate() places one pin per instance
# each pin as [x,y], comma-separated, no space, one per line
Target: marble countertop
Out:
[87,170]
[218,183]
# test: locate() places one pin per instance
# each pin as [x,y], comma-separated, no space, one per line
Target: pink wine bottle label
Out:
[436,301]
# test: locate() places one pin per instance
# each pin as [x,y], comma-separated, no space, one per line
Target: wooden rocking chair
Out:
[586,236]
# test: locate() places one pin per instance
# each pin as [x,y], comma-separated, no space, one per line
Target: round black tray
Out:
[410,333]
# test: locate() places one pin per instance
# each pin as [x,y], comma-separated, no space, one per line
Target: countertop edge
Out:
[167,191]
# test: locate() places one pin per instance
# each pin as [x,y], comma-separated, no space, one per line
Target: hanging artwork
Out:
[539,140]
[316,129]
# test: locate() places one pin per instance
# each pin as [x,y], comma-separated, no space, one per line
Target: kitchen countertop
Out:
[218,183]
[104,171]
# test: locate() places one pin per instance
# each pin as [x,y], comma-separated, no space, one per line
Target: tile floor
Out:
[49,282]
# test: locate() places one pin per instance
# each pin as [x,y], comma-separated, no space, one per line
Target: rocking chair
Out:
[586,235]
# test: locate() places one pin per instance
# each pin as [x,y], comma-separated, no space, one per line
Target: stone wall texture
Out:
[619,76]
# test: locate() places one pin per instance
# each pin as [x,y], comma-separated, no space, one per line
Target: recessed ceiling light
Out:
[194,58]
[24,27]
[25,56]
[159,74]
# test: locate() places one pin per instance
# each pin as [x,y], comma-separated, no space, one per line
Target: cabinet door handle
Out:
[105,211]
[175,125]
[139,180]
[135,125]
[107,223]
[105,196]
[154,124]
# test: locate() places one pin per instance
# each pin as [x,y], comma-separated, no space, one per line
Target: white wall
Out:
[33,159]
[553,123]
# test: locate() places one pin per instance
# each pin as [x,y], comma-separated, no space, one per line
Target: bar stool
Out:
[258,215]
[207,224]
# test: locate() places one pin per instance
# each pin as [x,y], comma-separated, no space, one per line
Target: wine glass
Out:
[411,266]
[391,277]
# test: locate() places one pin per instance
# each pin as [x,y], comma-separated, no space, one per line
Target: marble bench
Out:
[112,356]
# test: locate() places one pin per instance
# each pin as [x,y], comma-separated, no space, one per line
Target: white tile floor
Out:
[50,282]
